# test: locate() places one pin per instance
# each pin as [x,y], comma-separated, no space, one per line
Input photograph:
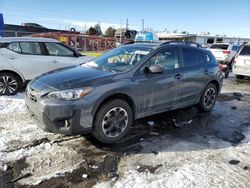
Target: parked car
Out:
[22,59]
[241,65]
[106,95]
[224,53]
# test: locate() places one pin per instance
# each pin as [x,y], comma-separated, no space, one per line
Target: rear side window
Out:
[219,46]
[31,48]
[191,57]
[15,47]
[209,58]
[245,50]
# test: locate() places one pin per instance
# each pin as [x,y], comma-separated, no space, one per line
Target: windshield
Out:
[120,59]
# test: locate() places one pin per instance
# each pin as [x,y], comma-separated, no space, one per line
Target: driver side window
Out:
[56,49]
[168,58]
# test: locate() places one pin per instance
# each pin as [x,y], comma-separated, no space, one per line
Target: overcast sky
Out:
[228,17]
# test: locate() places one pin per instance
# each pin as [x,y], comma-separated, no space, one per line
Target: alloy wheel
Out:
[210,97]
[8,84]
[115,122]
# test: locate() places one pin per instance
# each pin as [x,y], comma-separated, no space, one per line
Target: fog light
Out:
[66,123]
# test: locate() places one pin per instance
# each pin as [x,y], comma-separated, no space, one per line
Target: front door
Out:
[158,92]
[60,56]
[26,58]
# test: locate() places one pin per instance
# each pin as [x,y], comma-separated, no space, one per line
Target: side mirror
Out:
[77,54]
[154,69]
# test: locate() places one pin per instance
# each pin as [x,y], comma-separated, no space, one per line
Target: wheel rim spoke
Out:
[13,82]
[209,98]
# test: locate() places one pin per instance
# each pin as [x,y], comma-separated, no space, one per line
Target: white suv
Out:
[22,59]
[224,52]
[241,65]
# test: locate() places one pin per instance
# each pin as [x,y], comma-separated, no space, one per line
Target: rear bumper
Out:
[61,117]
[240,70]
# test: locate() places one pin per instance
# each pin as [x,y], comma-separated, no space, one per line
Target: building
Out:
[203,39]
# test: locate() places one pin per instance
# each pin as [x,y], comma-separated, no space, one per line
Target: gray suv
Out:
[106,95]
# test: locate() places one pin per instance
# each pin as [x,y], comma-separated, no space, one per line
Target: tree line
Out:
[96,30]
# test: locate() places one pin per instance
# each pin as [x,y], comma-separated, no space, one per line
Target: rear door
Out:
[243,59]
[26,58]
[193,75]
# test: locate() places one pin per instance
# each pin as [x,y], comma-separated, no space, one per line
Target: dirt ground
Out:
[183,148]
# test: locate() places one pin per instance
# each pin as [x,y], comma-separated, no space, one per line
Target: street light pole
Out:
[142,20]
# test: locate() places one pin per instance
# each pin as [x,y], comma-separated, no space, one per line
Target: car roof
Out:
[158,44]
[26,39]
[221,43]
[144,44]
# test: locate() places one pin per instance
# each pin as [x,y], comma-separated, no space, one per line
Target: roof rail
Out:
[183,43]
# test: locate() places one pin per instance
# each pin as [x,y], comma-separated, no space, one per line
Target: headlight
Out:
[70,94]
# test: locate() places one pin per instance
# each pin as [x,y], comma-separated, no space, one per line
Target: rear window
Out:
[219,46]
[15,47]
[235,48]
[4,45]
[31,48]
[245,50]
[191,57]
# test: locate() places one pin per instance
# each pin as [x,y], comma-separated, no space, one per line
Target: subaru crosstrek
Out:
[133,81]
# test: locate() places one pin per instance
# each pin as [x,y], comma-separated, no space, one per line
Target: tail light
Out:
[226,52]
[220,66]
[235,59]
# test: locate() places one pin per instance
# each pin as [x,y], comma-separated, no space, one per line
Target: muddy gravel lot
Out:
[183,148]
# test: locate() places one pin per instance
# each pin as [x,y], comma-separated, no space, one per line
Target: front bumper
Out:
[63,117]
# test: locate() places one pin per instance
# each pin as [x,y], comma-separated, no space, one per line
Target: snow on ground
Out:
[12,104]
[185,164]
[22,138]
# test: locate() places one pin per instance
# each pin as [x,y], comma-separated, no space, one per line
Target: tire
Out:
[208,98]
[9,84]
[240,77]
[112,121]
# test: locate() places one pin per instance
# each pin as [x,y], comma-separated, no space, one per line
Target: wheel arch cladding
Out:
[14,73]
[126,98]
[216,83]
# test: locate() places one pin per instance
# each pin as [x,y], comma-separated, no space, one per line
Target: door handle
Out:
[12,57]
[178,76]
[205,72]
[54,61]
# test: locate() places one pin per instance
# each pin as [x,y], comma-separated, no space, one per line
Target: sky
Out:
[224,17]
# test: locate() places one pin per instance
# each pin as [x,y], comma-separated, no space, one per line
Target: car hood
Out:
[68,78]
[86,58]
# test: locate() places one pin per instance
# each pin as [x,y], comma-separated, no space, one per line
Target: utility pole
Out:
[121,33]
[142,20]
[127,23]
